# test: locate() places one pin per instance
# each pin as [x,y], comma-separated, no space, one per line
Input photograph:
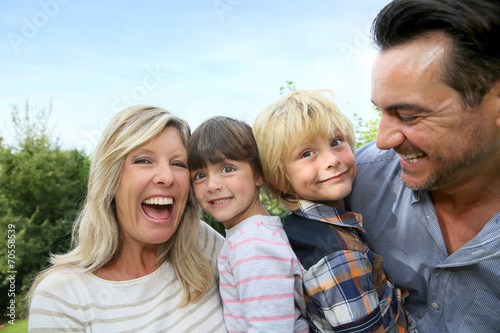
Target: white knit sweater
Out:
[72,301]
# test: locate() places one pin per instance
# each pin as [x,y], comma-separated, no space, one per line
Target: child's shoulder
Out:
[312,238]
[257,226]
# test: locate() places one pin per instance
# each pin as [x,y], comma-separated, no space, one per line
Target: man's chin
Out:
[431,183]
[417,184]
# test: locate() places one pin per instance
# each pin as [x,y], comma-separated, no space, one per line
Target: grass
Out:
[21,326]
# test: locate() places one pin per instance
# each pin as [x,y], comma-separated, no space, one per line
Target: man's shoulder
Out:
[369,154]
[376,165]
[377,174]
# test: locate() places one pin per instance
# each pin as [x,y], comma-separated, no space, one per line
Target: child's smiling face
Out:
[322,170]
[229,191]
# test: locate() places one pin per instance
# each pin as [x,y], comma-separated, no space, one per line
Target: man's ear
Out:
[495,91]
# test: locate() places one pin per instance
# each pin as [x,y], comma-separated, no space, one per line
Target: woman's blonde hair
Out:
[96,232]
[298,117]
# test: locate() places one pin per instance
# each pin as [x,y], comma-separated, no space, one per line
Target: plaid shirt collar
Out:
[328,214]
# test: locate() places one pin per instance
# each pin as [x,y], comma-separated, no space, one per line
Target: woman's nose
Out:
[164,175]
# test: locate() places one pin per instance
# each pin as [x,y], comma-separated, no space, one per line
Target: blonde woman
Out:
[142,261]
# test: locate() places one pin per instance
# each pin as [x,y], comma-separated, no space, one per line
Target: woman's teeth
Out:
[158,201]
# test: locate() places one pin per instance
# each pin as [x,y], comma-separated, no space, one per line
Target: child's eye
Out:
[306,154]
[198,176]
[228,169]
[336,142]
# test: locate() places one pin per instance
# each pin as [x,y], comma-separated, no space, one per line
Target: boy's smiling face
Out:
[322,170]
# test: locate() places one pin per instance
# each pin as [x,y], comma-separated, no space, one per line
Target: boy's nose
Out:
[331,160]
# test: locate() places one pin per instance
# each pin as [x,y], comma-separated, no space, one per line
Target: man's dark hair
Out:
[472,64]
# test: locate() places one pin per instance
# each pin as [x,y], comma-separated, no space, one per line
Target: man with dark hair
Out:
[429,189]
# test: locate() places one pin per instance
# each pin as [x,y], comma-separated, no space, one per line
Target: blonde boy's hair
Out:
[298,117]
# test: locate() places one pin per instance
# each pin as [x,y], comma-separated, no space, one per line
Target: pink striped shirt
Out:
[261,279]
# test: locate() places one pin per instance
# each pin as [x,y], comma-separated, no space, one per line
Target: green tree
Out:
[273,206]
[211,221]
[366,130]
[42,187]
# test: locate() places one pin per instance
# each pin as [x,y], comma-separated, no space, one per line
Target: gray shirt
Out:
[456,293]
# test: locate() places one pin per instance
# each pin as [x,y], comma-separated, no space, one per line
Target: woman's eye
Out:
[228,169]
[306,154]
[180,165]
[142,161]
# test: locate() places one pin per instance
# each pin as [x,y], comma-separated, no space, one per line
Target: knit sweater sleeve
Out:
[54,307]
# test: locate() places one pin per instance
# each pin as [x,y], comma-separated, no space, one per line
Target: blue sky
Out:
[197,58]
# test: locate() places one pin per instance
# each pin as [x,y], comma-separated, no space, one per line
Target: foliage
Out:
[211,221]
[273,206]
[42,187]
[290,86]
[21,326]
[366,131]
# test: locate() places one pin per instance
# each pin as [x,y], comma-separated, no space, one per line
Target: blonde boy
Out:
[306,147]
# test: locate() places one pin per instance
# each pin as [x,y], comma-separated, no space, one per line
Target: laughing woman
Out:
[142,261]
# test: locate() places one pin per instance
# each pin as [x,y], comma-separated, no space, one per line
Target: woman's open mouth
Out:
[158,208]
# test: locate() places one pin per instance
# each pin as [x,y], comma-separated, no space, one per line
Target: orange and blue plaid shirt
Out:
[344,284]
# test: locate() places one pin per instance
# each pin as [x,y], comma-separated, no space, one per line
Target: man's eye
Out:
[406,119]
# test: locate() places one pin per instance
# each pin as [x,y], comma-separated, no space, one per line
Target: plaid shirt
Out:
[345,287]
